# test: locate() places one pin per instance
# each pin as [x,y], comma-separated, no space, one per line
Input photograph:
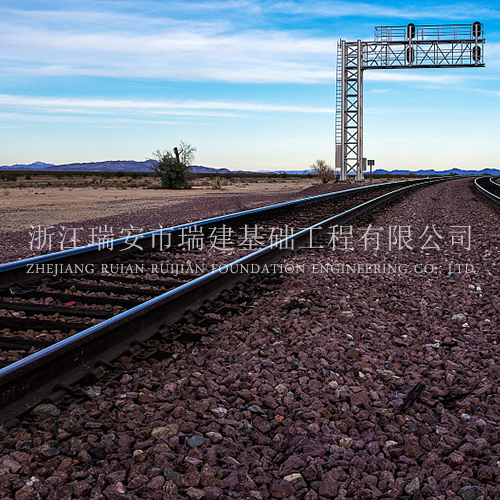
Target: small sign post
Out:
[370,164]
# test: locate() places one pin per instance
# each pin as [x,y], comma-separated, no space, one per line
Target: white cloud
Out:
[110,19]
[188,41]
[18,120]
[55,105]
[366,9]
[129,45]
[331,9]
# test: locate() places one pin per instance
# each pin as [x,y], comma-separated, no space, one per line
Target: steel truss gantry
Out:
[393,47]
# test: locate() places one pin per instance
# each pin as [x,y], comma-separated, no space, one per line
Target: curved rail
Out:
[26,382]
[489,188]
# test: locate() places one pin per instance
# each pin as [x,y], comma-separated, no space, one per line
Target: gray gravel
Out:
[300,397]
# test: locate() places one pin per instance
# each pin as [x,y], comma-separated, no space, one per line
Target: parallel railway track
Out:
[45,307]
[74,325]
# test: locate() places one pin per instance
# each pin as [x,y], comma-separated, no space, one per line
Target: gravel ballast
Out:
[302,395]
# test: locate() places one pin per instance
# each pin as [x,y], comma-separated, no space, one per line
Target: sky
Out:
[249,83]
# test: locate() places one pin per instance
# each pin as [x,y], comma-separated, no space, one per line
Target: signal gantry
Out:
[393,47]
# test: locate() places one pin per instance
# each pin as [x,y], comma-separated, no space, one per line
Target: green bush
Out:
[173,166]
[174,174]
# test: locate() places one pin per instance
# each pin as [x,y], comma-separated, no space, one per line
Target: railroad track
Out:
[41,303]
[488,187]
[62,328]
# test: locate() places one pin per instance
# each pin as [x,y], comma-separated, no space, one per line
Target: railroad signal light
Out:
[410,55]
[476,30]
[476,53]
[410,31]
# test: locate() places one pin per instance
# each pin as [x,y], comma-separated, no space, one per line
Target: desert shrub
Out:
[323,170]
[174,174]
[217,183]
[173,166]
[8,176]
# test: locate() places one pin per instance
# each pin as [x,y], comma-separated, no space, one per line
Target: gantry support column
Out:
[359,163]
[351,110]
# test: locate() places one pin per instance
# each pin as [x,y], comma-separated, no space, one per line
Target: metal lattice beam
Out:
[433,54]
[394,47]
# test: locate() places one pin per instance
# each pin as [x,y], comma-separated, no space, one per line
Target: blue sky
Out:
[251,84]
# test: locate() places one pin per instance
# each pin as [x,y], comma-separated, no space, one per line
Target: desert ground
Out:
[52,202]
[22,208]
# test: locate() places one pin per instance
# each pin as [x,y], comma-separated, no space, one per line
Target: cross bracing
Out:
[394,47]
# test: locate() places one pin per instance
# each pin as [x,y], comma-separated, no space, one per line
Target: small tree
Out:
[323,170]
[173,166]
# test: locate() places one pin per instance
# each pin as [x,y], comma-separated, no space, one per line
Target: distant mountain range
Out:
[38,165]
[106,166]
[144,166]
[458,171]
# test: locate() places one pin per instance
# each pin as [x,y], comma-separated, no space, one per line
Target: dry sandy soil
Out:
[21,210]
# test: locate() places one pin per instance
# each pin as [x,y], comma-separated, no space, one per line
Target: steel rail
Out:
[495,182]
[26,382]
[483,183]
[16,272]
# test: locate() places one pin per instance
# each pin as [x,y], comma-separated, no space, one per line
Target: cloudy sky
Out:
[249,83]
